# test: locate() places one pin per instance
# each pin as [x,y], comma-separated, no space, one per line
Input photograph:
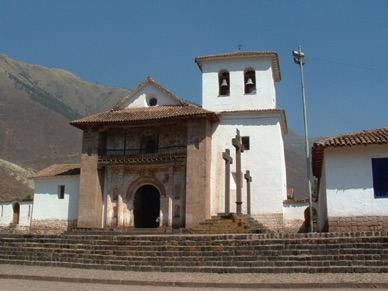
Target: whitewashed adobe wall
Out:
[347,182]
[142,98]
[265,160]
[6,213]
[51,212]
[265,128]
[294,216]
[264,98]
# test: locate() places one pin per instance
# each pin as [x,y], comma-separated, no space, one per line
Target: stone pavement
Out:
[199,280]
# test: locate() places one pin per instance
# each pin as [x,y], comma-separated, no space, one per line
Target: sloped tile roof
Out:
[242,54]
[58,170]
[142,114]
[366,137]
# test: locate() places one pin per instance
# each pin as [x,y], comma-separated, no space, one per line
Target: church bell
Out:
[224,83]
[249,82]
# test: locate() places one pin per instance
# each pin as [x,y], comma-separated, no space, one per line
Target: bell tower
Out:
[239,81]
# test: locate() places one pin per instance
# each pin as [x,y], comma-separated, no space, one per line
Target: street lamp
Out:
[299,59]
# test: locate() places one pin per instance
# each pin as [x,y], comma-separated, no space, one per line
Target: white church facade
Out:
[155,160]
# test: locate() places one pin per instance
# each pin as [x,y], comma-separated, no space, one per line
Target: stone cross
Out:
[248,177]
[228,161]
[236,142]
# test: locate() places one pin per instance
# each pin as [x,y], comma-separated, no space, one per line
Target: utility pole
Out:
[299,59]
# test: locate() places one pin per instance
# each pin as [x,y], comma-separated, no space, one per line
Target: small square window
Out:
[61,192]
[380,177]
[245,142]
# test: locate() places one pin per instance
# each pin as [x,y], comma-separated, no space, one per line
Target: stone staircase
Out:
[226,253]
[229,223]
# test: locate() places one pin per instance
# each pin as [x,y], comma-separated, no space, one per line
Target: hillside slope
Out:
[57,89]
[36,105]
[14,182]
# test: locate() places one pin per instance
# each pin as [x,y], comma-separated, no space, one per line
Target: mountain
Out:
[14,182]
[36,105]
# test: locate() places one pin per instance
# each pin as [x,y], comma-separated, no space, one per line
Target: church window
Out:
[153,101]
[380,177]
[249,81]
[245,142]
[223,83]
[61,192]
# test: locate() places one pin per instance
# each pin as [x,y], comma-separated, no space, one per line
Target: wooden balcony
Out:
[141,156]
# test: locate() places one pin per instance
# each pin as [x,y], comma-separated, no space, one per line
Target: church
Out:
[155,160]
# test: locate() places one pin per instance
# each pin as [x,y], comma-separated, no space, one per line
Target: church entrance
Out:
[147,207]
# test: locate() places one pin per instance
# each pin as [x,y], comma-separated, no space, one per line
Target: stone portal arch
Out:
[144,181]
[146,206]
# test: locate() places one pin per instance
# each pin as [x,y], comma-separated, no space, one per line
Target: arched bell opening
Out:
[223,83]
[146,206]
[249,81]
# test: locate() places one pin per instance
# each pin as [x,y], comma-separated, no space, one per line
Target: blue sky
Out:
[120,43]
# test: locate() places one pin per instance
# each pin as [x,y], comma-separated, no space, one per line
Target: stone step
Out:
[177,240]
[209,269]
[255,253]
[197,263]
[194,257]
[255,245]
[197,251]
[339,242]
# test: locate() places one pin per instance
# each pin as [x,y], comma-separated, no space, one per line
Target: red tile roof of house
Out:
[366,137]
[58,170]
[242,55]
[135,115]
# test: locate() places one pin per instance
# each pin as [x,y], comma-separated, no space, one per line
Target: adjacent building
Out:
[352,172]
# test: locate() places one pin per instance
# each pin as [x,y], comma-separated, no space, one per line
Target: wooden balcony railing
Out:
[142,155]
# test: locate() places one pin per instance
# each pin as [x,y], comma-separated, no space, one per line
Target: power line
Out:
[351,65]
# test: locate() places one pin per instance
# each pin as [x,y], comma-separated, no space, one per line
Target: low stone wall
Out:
[49,226]
[295,225]
[271,221]
[358,223]
[14,229]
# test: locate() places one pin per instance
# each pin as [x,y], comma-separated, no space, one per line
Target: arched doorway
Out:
[16,214]
[146,206]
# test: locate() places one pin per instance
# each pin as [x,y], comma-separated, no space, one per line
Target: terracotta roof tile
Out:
[374,136]
[242,54]
[58,170]
[366,137]
[141,114]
